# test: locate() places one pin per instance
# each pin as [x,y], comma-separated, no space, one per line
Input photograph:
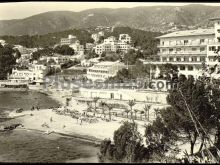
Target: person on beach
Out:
[51,119]
[64,126]
[32,108]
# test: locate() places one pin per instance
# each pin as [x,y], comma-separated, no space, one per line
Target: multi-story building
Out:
[188,50]
[89,46]
[78,49]
[35,73]
[96,36]
[111,44]
[125,38]
[57,58]
[68,41]
[104,70]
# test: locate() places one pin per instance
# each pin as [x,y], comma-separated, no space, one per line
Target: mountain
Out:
[153,18]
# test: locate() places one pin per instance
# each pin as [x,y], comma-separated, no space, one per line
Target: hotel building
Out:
[68,41]
[104,70]
[34,74]
[111,44]
[188,50]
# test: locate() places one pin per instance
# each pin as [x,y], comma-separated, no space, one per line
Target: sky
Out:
[19,10]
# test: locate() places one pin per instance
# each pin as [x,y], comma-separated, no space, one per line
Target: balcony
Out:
[188,44]
[182,53]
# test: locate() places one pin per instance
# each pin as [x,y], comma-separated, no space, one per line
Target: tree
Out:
[7,60]
[127,111]
[169,71]
[127,145]
[135,112]
[95,100]
[146,111]
[17,54]
[131,103]
[191,106]
[64,50]
[110,107]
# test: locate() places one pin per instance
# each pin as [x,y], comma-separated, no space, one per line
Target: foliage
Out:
[127,145]
[168,71]
[91,54]
[42,52]
[144,39]
[69,64]
[49,39]
[7,60]
[64,50]
[132,56]
[110,56]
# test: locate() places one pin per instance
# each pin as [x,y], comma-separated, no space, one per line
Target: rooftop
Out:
[108,63]
[189,33]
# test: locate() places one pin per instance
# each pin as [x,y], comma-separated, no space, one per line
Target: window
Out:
[202,49]
[170,50]
[171,59]
[194,49]
[202,58]
[185,42]
[190,67]
[212,48]
[178,59]
[202,41]
[182,67]
[178,49]
[218,30]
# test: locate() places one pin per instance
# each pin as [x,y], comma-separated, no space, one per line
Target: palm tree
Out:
[156,110]
[146,110]
[135,112]
[95,100]
[103,104]
[110,107]
[127,111]
[131,103]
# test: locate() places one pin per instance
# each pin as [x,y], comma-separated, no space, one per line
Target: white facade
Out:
[188,50]
[125,38]
[111,44]
[78,49]
[58,59]
[68,41]
[2,42]
[96,36]
[125,95]
[35,73]
[104,70]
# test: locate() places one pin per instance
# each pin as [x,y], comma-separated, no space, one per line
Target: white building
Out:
[2,42]
[111,44]
[149,96]
[96,36]
[34,74]
[68,41]
[125,38]
[57,58]
[78,49]
[104,70]
[188,49]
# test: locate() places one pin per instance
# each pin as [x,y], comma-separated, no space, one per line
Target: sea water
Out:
[33,146]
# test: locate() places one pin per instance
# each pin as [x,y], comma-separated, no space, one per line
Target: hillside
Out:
[156,18]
